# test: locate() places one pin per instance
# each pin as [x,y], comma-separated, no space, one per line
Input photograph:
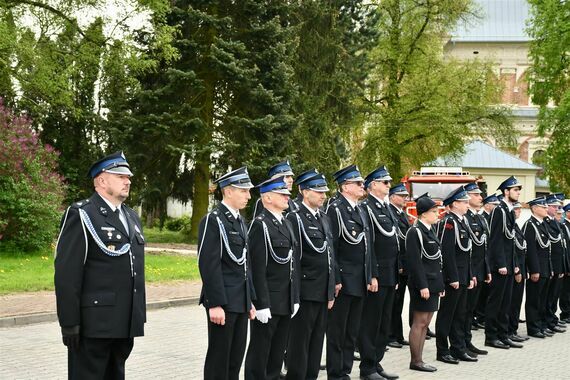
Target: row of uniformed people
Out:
[303,263]
[307,263]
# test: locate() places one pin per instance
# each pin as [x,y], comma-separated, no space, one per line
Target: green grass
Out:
[154,235]
[34,271]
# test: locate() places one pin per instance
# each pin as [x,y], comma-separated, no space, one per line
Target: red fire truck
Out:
[437,181]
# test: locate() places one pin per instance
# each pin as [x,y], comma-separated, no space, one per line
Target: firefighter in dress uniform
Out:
[375,324]
[478,231]
[315,260]
[565,293]
[355,270]
[557,257]
[99,275]
[539,267]
[489,203]
[456,245]
[520,279]
[398,195]
[272,244]
[423,257]
[224,265]
[502,261]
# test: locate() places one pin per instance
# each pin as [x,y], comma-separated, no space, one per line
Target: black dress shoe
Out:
[395,344]
[496,343]
[372,376]
[471,353]
[422,367]
[562,322]
[558,329]
[430,333]
[447,359]
[516,338]
[537,335]
[524,338]
[476,350]
[512,344]
[465,357]
[387,375]
[547,332]
[404,342]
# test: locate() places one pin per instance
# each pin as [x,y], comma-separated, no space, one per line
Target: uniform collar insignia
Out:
[103,210]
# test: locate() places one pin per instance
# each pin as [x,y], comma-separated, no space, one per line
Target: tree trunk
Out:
[203,157]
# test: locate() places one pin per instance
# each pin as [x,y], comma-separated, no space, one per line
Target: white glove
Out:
[295,309]
[263,315]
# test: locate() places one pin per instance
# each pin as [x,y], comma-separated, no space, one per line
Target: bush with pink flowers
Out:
[31,190]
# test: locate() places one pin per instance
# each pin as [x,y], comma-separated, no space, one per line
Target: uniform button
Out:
[135,273]
[135,290]
[95,302]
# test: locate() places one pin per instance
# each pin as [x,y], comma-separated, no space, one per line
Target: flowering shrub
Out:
[31,190]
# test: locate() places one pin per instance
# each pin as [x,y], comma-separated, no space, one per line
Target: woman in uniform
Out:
[423,253]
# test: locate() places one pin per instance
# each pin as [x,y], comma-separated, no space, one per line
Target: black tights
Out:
[417,336]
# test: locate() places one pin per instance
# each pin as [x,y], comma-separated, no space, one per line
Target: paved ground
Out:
[175,344]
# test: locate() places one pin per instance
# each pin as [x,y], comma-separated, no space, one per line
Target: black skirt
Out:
[417,303]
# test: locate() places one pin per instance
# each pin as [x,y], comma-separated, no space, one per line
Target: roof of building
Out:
[484,156]
[541,183]
[500,21]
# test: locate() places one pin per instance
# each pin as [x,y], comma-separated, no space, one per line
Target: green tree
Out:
[424,104]
[224,101]
[331,69]
[549,28]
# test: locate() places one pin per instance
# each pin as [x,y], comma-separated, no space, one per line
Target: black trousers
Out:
[498,307]
[266,350]
[342,332]
[397,330]
[552,297]
[375,326]
[99,358]
[535,305]
[450,321]
[516,303]
[564,302]
[226,347]
[306,338]
[471,304]
[481,307]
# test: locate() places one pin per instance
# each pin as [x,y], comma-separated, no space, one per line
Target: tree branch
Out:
[49,8]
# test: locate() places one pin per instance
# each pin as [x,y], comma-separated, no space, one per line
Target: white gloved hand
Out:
[295,309]
[263,315]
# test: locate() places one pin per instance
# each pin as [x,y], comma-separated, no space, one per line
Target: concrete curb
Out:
[28,319]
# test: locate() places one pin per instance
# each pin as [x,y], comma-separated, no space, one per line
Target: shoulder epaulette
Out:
[80,203]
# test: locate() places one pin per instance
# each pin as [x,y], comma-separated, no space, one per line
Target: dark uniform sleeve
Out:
[259,264]
[448,251]
[209,262]
[335,229]
[296,257]
[414,260]
[531,252]
[71,251]
[496,246]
